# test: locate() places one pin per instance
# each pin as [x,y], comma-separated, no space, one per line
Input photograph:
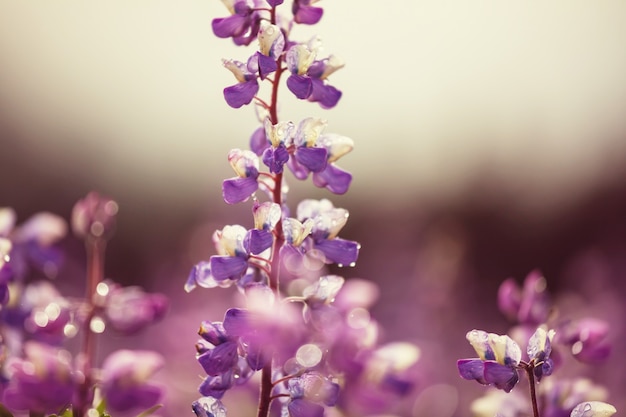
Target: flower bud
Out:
[94,216]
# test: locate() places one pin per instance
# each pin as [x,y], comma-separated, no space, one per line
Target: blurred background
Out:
[490,140]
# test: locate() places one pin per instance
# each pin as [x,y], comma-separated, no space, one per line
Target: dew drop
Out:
[70,330]
[309,355]
[102,289]
[41,319]
[97,325]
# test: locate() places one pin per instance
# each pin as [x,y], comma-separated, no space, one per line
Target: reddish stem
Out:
[95,247]
[265,397]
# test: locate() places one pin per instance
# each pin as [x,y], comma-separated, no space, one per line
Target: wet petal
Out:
[220,359]
[339,251]
[257,241]
[593,409]
[502,376]
[472,369]
[237,190]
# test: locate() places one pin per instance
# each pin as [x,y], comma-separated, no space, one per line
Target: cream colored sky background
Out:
[441,97]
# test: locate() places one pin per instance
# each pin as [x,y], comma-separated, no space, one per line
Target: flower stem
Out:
[95,247]
[265,397]
[533,394]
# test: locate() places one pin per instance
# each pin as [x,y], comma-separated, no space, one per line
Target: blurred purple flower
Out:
[43,382]
[309,392]
[32,243]
[244,23]
[304,13]
[527,305]
[126,379]
[587,339]
[94,216]
[130,309]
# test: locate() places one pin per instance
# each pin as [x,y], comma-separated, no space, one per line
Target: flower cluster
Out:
[500,358]
[39,373]
[307,331]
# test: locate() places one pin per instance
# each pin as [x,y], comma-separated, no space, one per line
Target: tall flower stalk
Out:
[301,328]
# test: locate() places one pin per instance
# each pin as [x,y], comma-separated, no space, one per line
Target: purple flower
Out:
[304,13]
[247,86]
[244,23]
[527,305]
[32,243]
[539,348]
[309,392]
[497,363]
[246,165]
[308,79]
[271,45]
[587,339]
[126,379]
[327,223]
[130,309]
[280,138]
[308,156]
[44,381]
[94,216]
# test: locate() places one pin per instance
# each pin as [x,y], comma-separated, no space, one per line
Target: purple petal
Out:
[256,241]
[274,3]
[326,95]
[256,356]
[339,251]
[200,275]
[236,190]
[267,65]
[312,158]
[304,408]
[300,86]
[258,141]
[237,322]
[509,298]
[220,359]
[275,158]
[503,377]
[216,386]
[307,15]
[226,27]
[472,369]
[228,267]
[333,178]
[242,93]
[299,171]
[213,332]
